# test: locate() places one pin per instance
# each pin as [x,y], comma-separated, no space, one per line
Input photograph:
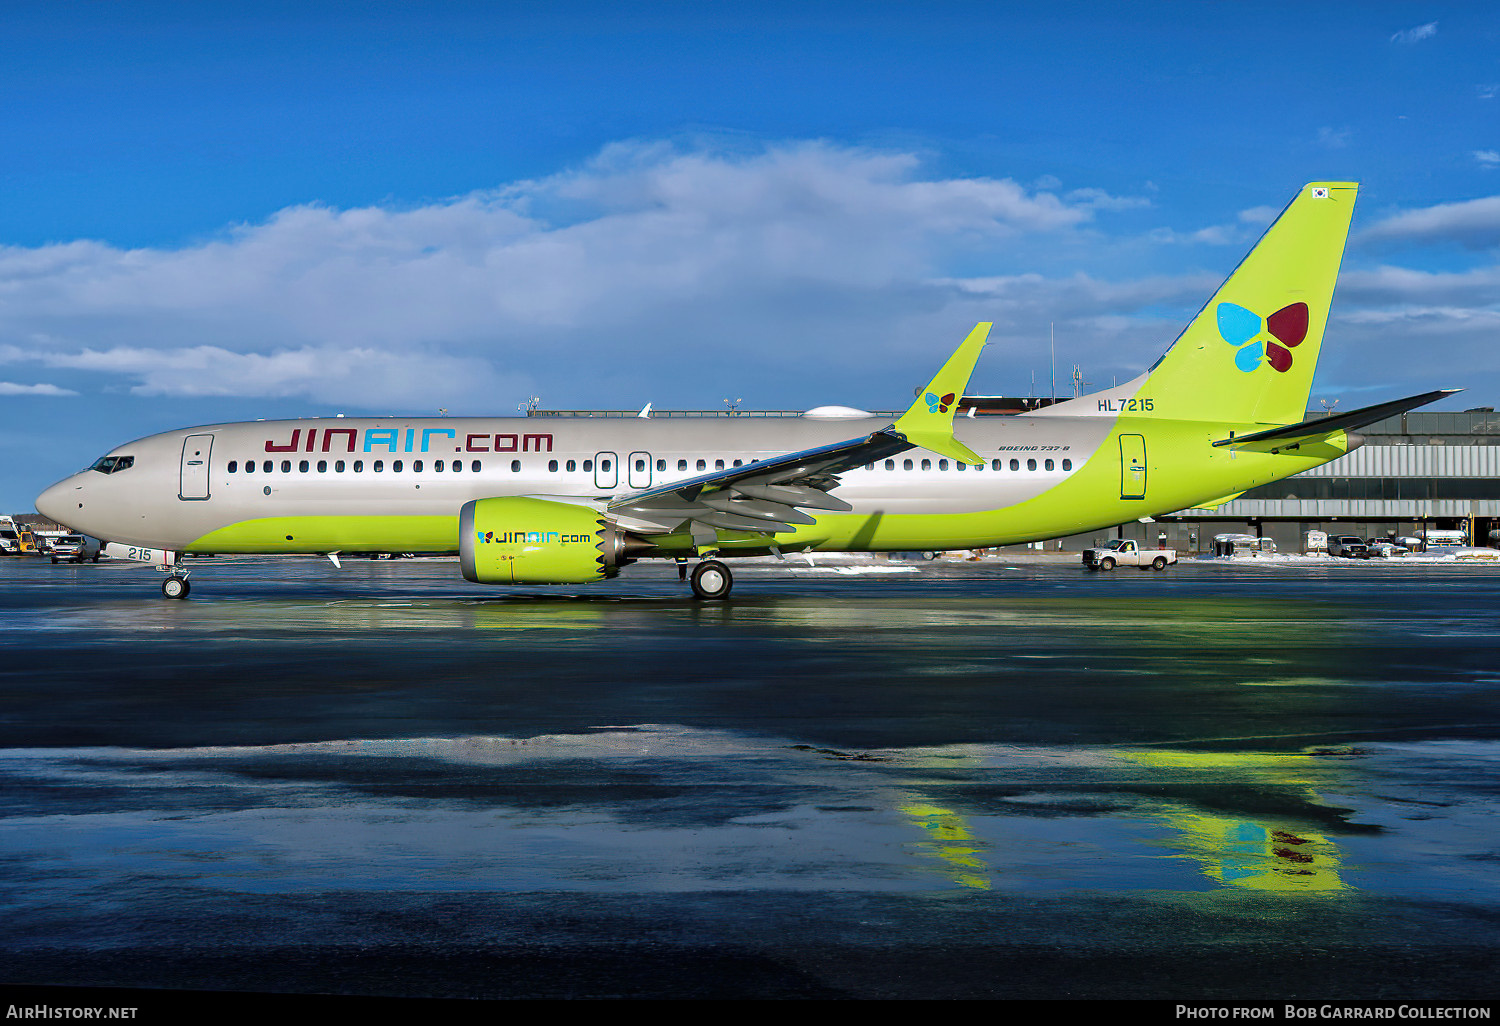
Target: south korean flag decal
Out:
[1320,192]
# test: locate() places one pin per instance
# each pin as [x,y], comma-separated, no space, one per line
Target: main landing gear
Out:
[711,580]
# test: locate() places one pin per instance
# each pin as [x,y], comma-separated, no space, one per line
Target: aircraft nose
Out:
[54,503]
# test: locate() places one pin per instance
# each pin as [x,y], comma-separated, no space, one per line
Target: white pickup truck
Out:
[1124,552]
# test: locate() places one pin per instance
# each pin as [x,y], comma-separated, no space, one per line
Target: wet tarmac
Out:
[960,780]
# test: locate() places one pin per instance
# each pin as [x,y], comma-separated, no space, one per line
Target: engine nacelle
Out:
[526,540]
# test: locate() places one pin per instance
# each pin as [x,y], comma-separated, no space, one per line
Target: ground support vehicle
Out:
[1348,546]
[1124,552]
[75,548]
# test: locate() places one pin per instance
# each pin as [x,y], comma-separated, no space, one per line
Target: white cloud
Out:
[1474,223]
[1213,235]
[1098,199]
[11,388]
[376,377]
[647,256]
[1382,286]
[1334,138]
[659,273]
[1487,158]
[1261,216]
[1416,35]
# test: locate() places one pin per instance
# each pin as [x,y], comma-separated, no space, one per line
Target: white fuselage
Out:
[185,488]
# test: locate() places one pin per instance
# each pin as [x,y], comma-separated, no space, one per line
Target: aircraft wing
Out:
[771,495]
[1313,430]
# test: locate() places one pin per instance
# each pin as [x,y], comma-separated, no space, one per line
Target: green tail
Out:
[1249,355]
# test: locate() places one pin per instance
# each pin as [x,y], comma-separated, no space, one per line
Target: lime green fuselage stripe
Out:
[334,534]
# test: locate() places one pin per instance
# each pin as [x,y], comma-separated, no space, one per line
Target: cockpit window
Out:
[113,464]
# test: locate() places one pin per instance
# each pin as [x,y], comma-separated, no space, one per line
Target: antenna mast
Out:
[1054,361]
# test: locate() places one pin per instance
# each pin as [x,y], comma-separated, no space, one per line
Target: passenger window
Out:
[302,467]
[1067,464]
[1031,464]
[249,466]
[682,464]
[379,466]
[738,462]
[233,466]
[604,465]
[416,466]
[926,464]
[906,464]
[718,464]
[515,466]
[960,466]
[359,466]
[338,466]
[588,466]
[1015,464]
[702,465]
[322,466]
[437,465]
[458,466]
[994,464]
[1049,465]
[474,467]
[661,464]
[640,466]
[286,466]
[890,464]
[266,467]
[572,466]
[395,466]
[942,464]
[552,466]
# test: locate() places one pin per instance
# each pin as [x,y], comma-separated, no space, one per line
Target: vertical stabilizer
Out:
[1249,355]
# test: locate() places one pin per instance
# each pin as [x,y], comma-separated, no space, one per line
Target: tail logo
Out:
[939,404]
[1242,328]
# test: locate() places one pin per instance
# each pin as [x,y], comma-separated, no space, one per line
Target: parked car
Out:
[1384,548]
[1124,552]
[75,548]
[1348,546]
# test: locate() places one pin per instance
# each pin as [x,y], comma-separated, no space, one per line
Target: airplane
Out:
[522,501]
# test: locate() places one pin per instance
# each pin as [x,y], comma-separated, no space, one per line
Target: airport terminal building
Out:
[1417,471]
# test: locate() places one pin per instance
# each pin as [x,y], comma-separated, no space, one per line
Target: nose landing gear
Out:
[711,580]
[175,585]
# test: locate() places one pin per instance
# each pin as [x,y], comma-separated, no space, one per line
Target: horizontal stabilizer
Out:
[1216,503]
[1321,427]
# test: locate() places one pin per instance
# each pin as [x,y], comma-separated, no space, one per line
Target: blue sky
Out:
[230,211]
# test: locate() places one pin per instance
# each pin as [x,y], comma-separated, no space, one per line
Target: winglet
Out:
[929,422]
